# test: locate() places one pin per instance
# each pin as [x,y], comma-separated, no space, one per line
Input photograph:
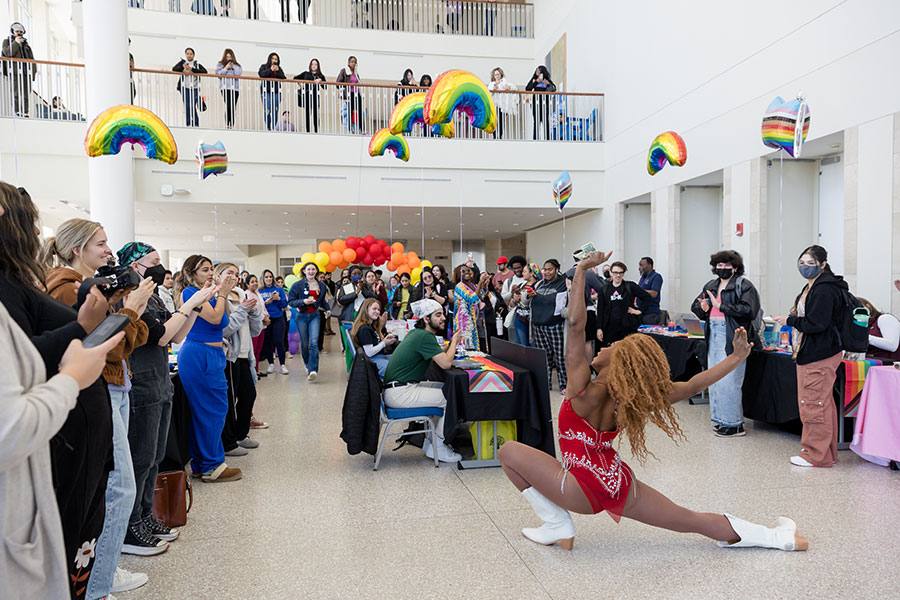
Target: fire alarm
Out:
[739,229]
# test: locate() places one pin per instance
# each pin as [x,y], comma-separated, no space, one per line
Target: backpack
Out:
[853,327]
[758,317]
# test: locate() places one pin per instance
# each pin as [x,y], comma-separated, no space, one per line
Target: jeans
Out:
[273,343]
[522,332]
[120,493]
[725,405]
[191,97]
[271,101]
[308,325]
[148,432]
[381,361]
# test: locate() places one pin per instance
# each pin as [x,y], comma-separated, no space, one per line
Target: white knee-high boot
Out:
[781,537]
[557,527]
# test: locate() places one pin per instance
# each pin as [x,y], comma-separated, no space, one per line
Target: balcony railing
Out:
[449,17]
[292,106]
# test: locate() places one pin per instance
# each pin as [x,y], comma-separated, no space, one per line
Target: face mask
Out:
[809,271]
[157,273]
[725,273]
[356,278]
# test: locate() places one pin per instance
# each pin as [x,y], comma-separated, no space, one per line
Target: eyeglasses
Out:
[617,272]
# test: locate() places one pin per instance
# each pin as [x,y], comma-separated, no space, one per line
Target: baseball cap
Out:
[502,260]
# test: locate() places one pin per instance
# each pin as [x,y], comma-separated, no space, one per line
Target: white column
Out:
[110,178]
[164,258]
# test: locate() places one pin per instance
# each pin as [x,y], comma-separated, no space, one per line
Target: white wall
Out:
[875,211]
[792,226]
[637,236]
[831,212]
[547,242]
[701,236]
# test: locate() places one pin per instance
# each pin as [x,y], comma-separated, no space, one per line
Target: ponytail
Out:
[59,250]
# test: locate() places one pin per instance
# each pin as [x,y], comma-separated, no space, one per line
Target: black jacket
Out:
[361,414]
[819,327]
[308,90]
[266,72]
[738,313]
[629,291]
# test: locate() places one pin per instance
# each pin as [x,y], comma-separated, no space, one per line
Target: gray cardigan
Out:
[232,332]
[32,561]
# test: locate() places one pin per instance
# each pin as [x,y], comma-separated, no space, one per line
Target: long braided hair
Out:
[639,382]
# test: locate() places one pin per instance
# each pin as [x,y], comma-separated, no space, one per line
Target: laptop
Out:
[694,326]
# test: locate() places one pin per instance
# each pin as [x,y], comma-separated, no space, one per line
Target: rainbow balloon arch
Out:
[366,252]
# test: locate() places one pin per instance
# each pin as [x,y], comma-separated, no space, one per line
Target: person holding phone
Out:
[369,335]
[189,86]
[541,103]
[352,96]
[308,93]
[270,91]
[229,86]
[20,73]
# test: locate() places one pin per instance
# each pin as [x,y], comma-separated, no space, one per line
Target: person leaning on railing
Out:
[351,94]
[540,106]
[230,87]
[308,94]
[189,86]
[16,46]
[270,91]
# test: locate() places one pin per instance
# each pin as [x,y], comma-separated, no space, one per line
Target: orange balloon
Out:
[326,247]
[397,248]
[390,266]
[335,257]
[410,255]
[344,264]
[413,261]
[403,269]
[349,255]
[330,268]
[397,258]
[339,245]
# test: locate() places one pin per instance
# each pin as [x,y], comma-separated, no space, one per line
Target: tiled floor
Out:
[310,521]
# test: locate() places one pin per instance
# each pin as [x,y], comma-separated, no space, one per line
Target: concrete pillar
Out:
[664,242]
[110,178]
[164,258]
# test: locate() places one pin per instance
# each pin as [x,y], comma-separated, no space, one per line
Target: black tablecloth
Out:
[686,356]
[178,450]
[522,404]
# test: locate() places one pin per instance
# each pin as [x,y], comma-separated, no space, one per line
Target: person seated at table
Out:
[725,307]
[618,314]
[369,336]
[403,378]
[632,388]
[816,317]
[884,333]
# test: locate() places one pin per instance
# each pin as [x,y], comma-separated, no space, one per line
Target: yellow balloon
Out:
[426,263]
[416,275]
[322,260]
[307,257]
[297,268]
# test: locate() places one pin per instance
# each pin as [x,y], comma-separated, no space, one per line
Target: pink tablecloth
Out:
[876,437]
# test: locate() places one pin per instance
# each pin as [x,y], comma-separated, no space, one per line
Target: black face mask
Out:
[157,273]
[725,273]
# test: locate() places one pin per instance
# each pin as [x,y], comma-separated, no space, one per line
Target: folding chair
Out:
[393,416]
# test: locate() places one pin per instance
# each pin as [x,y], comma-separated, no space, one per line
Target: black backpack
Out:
[853,327]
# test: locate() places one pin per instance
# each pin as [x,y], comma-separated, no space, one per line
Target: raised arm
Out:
[577,368]
[682,390]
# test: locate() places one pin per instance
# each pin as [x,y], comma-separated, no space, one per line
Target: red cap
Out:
[502,260]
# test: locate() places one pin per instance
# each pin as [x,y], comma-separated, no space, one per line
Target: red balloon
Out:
[361,253]
[381,260]
[382,243]
[370,240]
[353,242]
[367,260]
[375,250]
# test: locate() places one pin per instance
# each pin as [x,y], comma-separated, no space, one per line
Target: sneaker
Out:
[271,368]
[799,461]
[222,474]
[312,376]
[261,374]
[257,424]
[716,427]
[237,451]
[139,541]
[248,442]
[284,370]
[160,529]
[727,432]
[445,453]
[124,580]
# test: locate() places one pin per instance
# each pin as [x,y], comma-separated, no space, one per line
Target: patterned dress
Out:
[467,316]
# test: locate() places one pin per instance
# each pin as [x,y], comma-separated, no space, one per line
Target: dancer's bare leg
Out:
[529,467]
[648,506]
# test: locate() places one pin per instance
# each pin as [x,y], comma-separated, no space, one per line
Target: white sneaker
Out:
[445,452]
[312,376]
[125,580]
[284,370]
[271,368]
[799,461]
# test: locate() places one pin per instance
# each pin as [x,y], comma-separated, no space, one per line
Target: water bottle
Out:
[785,336]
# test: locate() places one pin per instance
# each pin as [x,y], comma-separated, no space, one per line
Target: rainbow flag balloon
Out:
[211,159]
[127,124]
[460,90]
[410,111]
[669,148]
[785,125]
[562,190]
[385,140]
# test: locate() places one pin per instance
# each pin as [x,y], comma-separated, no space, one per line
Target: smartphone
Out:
[109,327]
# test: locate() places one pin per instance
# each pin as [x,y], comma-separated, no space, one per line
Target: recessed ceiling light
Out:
[496,231]
[284,213]
[352,214]
[348,222]
[448,231]
[405,224]
[418,214]
[541,215]
[396,231]
[480,214]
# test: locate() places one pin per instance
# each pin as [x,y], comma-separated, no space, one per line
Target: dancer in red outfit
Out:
[632,387]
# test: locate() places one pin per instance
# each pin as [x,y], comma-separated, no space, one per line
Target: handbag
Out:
[506,431]
[169,503]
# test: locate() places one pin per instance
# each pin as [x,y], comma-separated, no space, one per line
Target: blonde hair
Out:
[74,233]
[639,382]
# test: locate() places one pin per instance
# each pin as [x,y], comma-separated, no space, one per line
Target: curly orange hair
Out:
[639,382]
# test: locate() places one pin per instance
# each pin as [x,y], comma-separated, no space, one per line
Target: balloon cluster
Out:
[366,251]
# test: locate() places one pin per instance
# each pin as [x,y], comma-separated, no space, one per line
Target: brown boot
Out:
[221,474]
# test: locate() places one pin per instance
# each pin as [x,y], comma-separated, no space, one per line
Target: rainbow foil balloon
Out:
[666,147]
[410,111]
[785,125]
[562,190]
[211,159]
[536,270]
[385,140]
[460,90]
[126,124]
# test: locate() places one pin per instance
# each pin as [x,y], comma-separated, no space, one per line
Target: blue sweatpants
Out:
[202,372]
